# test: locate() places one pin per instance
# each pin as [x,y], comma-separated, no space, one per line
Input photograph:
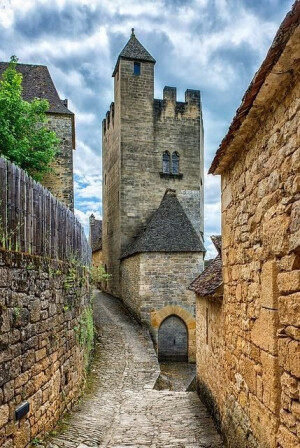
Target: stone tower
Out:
[149,145]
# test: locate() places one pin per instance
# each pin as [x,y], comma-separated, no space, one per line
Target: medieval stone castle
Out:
[239,317]
[153,200]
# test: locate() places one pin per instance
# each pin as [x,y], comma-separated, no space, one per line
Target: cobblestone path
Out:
[122,409]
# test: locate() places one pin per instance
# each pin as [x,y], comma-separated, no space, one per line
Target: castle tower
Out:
[149,147]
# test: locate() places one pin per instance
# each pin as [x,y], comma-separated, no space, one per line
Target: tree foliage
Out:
[25,138]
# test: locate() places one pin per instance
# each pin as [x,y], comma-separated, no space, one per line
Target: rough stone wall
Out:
[136,132]
[97,258]
[153,281]
[60,183]
[42,358]
[131,285]
[260,227]
[210,353]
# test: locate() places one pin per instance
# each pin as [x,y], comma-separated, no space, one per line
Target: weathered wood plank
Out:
[34,221]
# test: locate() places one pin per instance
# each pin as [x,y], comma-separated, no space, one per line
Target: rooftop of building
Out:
[286,30]
[210,280]
[37,83]
[134,50]
[168,230]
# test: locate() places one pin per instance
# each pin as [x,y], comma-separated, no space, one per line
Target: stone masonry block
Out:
[274,234]
[286,438]
[271,380]
[263,333]
[269,290]
[289,309]
[289,282]
[263,422]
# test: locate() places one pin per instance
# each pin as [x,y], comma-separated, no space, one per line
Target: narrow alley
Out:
[121,408]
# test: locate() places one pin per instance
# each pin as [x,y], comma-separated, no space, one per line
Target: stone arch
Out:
[172,343]
[158,316]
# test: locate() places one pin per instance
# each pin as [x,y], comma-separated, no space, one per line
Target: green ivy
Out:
[85,332]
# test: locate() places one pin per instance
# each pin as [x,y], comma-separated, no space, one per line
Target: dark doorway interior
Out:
[173,340]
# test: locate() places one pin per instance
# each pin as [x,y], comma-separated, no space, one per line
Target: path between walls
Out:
[122,409]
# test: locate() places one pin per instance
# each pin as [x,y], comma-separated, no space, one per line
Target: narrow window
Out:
[166,162]
[175,163]
[137,68]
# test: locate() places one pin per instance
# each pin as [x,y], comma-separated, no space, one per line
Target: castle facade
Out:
[153,199]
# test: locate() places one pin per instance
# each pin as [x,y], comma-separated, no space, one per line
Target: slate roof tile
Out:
[37,83]
[208,282]
[168,230]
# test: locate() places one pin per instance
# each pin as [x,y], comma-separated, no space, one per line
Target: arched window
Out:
[166,162]
[175,163]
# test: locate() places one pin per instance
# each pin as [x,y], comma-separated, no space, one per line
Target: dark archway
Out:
[173,340]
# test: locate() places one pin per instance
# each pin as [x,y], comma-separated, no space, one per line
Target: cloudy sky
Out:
[212,45]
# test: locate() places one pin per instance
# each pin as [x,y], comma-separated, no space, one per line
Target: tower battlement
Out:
[170,107]
[108,121]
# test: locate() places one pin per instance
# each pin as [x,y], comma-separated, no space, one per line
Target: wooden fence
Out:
[35,222]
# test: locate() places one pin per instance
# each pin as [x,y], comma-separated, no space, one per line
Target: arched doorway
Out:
[173,340]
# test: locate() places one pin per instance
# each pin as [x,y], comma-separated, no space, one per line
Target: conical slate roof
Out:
[168,230]
[134,50]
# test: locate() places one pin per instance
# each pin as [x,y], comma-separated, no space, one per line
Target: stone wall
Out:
[258,399]
[44,340]
[97,258]
[60,183]
[155,286]
[210,353]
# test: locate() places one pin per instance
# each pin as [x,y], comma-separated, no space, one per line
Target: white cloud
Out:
[84,217]
[87,163]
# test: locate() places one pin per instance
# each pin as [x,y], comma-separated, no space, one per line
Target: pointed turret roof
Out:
[134,50]
[168,230]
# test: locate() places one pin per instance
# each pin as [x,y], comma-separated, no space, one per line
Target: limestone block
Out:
[269,290]
[289,309]
[247,369]
[271,380]
[274,234]
[22,435]
[263,422]
[286,438]
[293,332]
[4,415]
[35,310]
[289,282]
[289,420]
[263,333]
[289,262]
[296,409]
[294,358]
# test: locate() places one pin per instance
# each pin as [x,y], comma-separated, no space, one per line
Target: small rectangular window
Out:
[137,68]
